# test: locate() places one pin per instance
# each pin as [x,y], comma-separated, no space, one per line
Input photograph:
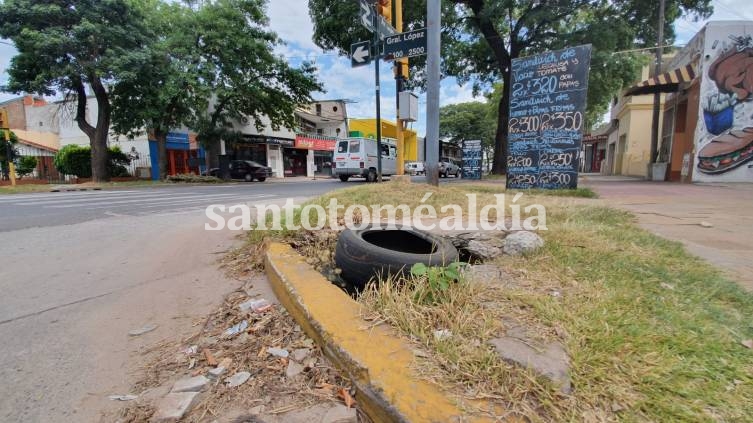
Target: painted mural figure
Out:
[732,74]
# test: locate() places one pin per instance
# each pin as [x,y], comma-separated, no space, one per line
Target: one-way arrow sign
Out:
[360,54]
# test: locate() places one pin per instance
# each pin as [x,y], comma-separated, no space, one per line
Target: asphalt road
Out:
[79,270]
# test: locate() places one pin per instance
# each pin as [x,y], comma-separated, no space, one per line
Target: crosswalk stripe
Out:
[229,200]
[137,200]
[46,201]
[57,195]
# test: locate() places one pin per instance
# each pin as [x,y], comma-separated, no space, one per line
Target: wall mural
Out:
[725,140]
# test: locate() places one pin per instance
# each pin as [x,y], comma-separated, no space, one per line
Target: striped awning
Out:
[665,83]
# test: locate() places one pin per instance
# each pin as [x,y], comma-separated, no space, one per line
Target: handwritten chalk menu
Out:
[472,159]
[547,102]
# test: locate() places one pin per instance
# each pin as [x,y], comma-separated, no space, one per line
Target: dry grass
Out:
[653,333]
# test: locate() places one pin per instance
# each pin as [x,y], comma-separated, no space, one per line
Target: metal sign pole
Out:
[433,20]
[378,94]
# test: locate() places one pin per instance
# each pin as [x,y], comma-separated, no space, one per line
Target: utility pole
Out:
[401,74]
[377,57]
[657,96]
[8,146]
[433,25]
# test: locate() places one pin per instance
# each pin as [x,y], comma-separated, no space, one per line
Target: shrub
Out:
[25,165]
[188,178]
[76,160]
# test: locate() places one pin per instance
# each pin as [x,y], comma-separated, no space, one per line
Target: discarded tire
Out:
[366,253]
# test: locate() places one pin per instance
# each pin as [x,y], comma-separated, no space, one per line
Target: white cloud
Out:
[291,21]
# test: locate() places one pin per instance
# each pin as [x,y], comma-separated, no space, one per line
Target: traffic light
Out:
[384,8]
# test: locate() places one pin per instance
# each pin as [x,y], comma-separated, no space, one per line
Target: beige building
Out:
[629,145]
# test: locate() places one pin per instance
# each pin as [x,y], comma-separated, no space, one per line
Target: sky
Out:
[291,21]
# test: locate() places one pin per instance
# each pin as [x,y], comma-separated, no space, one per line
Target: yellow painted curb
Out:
[375,358]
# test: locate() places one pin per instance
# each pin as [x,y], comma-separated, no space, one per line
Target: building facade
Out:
[707,129]
[303,151]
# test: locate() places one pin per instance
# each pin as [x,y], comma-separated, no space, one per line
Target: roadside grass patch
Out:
[653,333]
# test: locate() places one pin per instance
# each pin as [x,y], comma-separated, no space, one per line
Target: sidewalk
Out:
[681,212]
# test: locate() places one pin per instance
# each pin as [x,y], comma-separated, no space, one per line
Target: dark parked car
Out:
[245,169]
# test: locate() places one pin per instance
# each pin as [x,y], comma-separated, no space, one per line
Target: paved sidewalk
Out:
[675,211]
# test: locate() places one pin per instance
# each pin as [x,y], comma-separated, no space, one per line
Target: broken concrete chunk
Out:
[482,250]
[549,360]
[300,354]
[485,273]
[278,352]
[340,414]
[293,370]
[522,242]
[173,406]
[191,384]
[142,330]
[237,379]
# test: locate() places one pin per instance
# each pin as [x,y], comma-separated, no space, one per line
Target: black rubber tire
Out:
[344,178]
[248,178]
[262,179]
[371,176]
[360,260]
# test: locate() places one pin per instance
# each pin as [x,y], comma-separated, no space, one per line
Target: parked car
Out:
[245,169]
[415,168]
[448,166]
[357,157]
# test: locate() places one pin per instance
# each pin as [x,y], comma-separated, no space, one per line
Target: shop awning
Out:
[665,83]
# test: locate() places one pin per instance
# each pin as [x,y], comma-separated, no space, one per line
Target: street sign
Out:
[366,16]
[366,19]
[406,44]
[360,54]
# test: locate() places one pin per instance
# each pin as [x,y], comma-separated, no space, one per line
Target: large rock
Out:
[522,242]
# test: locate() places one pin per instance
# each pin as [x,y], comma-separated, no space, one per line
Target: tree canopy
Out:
[67,46]
[466,121]
[481,37]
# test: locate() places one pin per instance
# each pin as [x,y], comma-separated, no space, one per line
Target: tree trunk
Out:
[98,133]
[100,154]
[161,137]
[499,166]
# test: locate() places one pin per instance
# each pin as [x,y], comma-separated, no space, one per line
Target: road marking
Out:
[45,201]
[226,201]
[139,200]
[61,195]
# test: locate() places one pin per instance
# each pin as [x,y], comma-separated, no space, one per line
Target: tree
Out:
[480,38]
[466,121]
[65,46]
[160,95]
[213,66]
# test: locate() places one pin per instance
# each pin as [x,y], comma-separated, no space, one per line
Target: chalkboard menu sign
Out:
[472,159]
[547,102]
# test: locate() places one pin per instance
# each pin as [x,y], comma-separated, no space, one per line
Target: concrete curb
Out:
[376,360]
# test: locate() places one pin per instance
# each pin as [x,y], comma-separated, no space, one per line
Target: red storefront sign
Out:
[315,143]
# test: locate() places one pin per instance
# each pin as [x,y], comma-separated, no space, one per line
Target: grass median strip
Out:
[653,334]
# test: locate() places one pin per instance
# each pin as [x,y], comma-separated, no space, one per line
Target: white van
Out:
[357,157]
